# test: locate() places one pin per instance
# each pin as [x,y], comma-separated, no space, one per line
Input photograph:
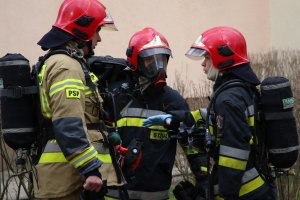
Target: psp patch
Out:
[72,94]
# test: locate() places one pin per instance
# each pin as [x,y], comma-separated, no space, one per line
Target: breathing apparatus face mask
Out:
[154,68]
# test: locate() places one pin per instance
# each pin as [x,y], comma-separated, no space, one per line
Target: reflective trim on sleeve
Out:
[251,186]
[234,152]
[232,163]
[67,83]
[84,157]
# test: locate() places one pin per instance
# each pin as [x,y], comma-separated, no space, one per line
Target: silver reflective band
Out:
[216,189]
[140,113]
[15,62]
[18,130]
[234,152]
[250,175]
[284,150]
[250,111]
[276,86]
[52,147]
[148,195]
[83,158]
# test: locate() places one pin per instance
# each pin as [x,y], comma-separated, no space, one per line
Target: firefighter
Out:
[73,162]
[148,169]
[230,117]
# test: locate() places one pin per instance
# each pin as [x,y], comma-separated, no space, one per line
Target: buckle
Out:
[16,92]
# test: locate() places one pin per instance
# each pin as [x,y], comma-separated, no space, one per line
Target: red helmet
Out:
[81,18]
[144,43]
[226,46]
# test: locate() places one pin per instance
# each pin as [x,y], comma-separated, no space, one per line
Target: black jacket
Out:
[154,173]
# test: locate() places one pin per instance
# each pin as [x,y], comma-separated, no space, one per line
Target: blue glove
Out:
[157,120]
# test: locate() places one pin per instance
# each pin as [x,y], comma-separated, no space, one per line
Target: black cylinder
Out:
[281,130]
[18,117]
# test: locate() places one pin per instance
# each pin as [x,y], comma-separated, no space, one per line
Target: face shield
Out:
[152,61]
[196,53]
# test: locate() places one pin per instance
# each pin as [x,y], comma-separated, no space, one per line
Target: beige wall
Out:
[23,23]
[285,24]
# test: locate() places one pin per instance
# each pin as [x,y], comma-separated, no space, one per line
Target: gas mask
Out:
[154,68]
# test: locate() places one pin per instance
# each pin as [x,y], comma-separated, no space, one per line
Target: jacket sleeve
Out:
[66,84]
[235,134]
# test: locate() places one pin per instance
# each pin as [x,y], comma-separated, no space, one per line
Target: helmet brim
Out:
[154,51]
[55,38]
[245,73]
[195,53]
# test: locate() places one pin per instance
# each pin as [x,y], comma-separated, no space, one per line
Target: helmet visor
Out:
[196,53]
[151,65]
[108,22]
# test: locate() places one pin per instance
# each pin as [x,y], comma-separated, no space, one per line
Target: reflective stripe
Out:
[232,163]
[249,175]
[251,186]
[136,122]
[250,111]
[251,121]
[45,105]
[234,152]
[70,83]
[216,189]
[250,182]
[83,158]
[148,195]
[284,150]
[18,130]
[14,62]
[189,151]
[275,86]
[196,115]
[52,153]
[87,90]
[141,195]
[203,169]
[60,158]
[250,115]
[41,74]
[140,113]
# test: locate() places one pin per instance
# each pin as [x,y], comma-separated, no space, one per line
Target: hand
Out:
[158,120]
[93,183]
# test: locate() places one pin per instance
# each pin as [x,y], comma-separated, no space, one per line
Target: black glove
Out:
[184,190]
[89,195]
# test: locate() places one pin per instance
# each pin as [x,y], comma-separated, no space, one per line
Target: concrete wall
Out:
[24,22]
